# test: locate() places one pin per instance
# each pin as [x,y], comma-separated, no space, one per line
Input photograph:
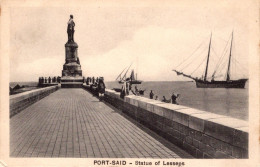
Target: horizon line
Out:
[116,81]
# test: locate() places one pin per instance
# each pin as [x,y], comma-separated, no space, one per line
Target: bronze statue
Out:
[70,29]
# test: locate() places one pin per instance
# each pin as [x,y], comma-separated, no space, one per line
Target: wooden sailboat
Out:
[132,79]
[121,78]
[228,83]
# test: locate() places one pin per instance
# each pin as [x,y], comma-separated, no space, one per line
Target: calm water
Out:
[28,86]
[12,84]
[231,102]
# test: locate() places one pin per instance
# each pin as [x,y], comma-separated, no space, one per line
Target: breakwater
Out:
[202,134]
[21,101]
[229,102]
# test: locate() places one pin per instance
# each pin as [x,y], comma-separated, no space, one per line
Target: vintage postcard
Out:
[129,83]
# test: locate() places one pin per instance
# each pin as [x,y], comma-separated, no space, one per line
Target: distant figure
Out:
[136,91]
[156,98]
[141,92]
[87,81]
[41,80]
[49,79]
[125,88]
[174,98]
[165,100]
[96,83]
[128,86]
[58,79]
[93,80]
[123,92]
[45,80]
[54,79]
[101,88]
[151,94]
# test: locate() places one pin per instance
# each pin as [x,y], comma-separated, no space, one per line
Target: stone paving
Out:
[73,123]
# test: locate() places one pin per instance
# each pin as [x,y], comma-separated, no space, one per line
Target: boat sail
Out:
[121,79]
[132,79]
[228,83]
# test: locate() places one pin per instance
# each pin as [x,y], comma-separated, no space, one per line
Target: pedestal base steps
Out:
[71,82]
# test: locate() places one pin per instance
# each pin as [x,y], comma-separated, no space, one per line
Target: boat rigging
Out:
[203,82]
[132,79]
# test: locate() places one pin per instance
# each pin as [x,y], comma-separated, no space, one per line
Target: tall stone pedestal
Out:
[71,73]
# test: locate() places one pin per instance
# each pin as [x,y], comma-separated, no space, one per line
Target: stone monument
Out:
[71,73]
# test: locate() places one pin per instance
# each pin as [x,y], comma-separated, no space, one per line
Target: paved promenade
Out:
[73,123]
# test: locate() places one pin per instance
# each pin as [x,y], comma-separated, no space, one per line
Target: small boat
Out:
[117,89]
[132,79]
[228,83]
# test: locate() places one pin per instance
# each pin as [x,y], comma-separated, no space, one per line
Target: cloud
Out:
[154,39]
[32,70]
[154,51]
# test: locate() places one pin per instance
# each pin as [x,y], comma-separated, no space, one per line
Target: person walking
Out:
[101,88]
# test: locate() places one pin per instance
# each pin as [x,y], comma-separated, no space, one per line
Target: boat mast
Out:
[206,71]
[228,71]
[120,75]
[124,77]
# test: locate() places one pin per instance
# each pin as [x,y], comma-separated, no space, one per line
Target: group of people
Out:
[93,80]
[173,99]
[127,89]
[43,80]
[99,84]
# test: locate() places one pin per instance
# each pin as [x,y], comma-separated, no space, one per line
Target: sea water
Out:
[230,102]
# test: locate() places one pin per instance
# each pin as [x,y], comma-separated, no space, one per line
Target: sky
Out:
[155,39]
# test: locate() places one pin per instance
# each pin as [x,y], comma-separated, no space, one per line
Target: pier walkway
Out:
[73,123]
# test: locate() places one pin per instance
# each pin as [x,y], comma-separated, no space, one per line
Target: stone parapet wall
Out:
[21,101]
[202,134]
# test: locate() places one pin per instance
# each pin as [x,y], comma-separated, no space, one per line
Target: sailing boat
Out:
[132,79]
[228,83]
[121,79]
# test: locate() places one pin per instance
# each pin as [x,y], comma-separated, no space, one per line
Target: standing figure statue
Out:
[70,29]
